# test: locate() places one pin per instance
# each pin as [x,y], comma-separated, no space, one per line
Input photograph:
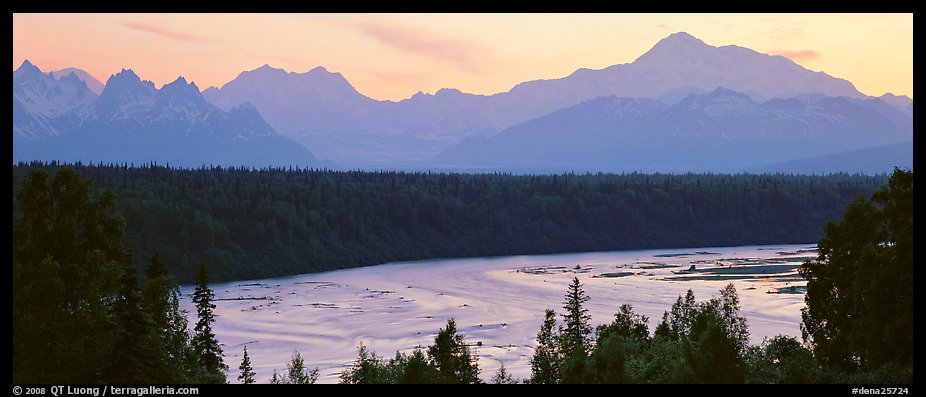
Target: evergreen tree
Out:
[626,324]
[575,342]
[134,357]
[276,378]
[451,357]
[626,337]
[575,335]
[368,369]
[205,344]
[859,302]
[247,374]
[546,360]
[416,369]
[502,377]
[161,300]
[296,372]
[68,257]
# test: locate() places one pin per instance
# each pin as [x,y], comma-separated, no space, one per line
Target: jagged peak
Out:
[267,67]
[124,75]
[27,68]
[448,91]
[181,83]
[26,65]
[126,79]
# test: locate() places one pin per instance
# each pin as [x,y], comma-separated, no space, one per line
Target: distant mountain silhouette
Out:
[682,105]
[722,130]
[45,106]
[873,160]
[321,109]
[94,85]
[133,122]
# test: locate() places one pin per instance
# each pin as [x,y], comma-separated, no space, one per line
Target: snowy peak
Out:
[46,106]
[125,96]
[675,47]
[316,99]
[719,103]
[94,85]
[43,94]
[180,90]
[26,69]
[127,85]
[678,41]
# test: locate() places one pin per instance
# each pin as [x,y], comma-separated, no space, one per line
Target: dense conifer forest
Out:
[248,223]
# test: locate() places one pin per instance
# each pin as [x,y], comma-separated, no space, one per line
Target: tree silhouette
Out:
[205,344]
[859,302]
[247,373]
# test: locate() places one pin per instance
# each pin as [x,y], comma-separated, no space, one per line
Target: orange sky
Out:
[392,56]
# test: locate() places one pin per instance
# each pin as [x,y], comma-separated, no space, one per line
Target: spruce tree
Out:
[296,372]
[247,373]
[859,301]
[417,369]
[205,344]
[502,377]
[545,362]
[161,301]
[452,358]
[68,256]
[575,342]
[575,339]
[134,359]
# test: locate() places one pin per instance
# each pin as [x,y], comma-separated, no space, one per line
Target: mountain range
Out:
[683,105]
[722,131]
[131,121]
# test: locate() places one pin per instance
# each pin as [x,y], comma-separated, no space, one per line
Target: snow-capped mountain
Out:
[132,121]
[690,96]
[45,106]
[322,109]
[318,99]
[722,130]
[94,85]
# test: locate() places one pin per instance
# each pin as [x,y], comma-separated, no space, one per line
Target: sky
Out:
[393,56]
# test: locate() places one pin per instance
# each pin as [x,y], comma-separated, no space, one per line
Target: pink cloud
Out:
[797,55]
[170,34]
[463,54]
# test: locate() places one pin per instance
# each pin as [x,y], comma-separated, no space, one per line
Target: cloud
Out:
[797,55]
[170,34]
[464,55]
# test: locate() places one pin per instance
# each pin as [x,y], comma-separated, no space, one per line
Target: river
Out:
[497,301]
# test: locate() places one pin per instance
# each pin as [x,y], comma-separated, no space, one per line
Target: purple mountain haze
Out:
[683,105]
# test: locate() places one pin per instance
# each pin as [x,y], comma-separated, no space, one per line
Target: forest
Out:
[257,223]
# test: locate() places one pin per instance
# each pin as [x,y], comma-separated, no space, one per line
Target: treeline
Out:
[261,223]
